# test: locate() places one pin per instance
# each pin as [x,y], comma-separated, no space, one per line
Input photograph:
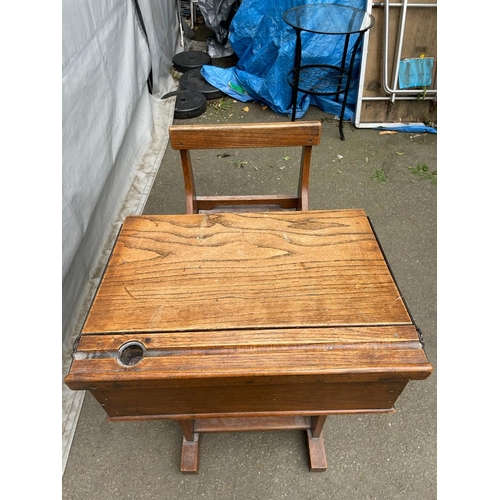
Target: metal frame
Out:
[395,94]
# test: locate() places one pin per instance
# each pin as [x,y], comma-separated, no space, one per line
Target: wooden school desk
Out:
[247,321]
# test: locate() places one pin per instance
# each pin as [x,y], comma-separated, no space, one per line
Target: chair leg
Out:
[191,204]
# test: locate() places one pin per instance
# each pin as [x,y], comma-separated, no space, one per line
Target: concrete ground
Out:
[385,457]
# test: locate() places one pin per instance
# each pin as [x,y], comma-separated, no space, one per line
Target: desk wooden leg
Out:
[317,424]
[317,453]
[190,455]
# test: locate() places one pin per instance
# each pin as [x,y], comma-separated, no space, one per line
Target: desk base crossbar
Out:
[193,428]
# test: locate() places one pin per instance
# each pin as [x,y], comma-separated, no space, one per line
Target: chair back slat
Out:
[253,135]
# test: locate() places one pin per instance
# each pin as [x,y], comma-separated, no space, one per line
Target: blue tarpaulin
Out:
[265,47]
[416,129]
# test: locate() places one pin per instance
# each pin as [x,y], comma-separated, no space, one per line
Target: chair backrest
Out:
[252,135]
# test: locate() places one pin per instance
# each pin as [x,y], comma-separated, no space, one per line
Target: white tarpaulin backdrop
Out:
[107,119]
[110,124]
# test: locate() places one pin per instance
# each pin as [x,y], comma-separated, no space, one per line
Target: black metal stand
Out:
[326,79]
[323,79]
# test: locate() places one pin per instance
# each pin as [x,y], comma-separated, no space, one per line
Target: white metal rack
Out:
[390,86]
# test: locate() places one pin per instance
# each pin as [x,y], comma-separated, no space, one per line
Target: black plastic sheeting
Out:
[218,15]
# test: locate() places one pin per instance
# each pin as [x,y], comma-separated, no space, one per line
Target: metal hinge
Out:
[420,336]
[75,344]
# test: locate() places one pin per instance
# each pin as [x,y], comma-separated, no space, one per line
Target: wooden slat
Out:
[409,362]
[210,202]
[251,424]
[248,415]
[246,135]
[255,339]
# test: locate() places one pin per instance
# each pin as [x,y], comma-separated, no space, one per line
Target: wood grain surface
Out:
[241,271]
[248,135]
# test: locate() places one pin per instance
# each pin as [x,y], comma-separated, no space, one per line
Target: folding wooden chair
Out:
[253,135]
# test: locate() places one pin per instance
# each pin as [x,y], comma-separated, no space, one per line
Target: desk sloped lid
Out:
[249,270]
